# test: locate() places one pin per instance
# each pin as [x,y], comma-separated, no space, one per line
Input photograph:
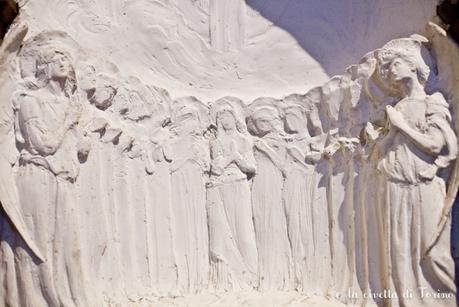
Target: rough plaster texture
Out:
[127,180]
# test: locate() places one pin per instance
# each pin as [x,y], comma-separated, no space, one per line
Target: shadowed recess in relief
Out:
[116,192]
[448,11]
[8,12]
[317,31]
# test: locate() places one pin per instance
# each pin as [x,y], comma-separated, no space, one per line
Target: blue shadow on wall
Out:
[338,33]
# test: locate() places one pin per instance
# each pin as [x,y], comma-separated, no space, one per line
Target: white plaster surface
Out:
[276,184]
[261,47]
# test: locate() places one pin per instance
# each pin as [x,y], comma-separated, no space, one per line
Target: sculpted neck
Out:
[412,88]
[56,86]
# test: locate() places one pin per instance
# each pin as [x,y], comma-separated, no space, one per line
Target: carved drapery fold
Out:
[123,194]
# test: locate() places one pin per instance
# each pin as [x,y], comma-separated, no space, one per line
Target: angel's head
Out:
[186,121]
[265,120]
[403,68]
[226,120]
[228,115]
[295,114]
[403,64]
[59,64]
[56,64]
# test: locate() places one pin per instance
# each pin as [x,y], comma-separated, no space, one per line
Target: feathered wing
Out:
[446,52]
[8,153]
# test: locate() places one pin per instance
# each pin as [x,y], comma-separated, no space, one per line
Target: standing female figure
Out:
[419,143]
[46,119]
[233,252]
[274,254]
[189,156]
[306,210]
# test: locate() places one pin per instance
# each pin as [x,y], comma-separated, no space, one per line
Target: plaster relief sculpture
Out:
[270,147]
[233,251]
[47,112]
[223,36]
[305,207]
[189,156]
[342,211]
[14,232]
[116,193]
[419,143]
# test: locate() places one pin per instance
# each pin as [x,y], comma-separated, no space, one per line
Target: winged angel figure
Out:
[411,149]
[402,181]
[40,157]
[8,152]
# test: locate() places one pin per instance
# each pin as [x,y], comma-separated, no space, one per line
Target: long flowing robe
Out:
[233,251]
[48,168]
[307,223]
[413,208]
[188,199]
[274,254]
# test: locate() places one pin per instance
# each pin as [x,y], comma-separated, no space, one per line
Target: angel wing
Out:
[447,55]
[9,199]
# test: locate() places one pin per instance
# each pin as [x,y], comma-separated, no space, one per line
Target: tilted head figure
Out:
[228,115]
[400,61]
[87,77]
[265,117]
[226,120]
[47,57]
[295,115]
[190,116]
[57,65]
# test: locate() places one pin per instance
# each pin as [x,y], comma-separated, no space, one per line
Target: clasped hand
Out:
[395,117]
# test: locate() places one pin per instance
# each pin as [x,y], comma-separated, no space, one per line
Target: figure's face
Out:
[88,78]
[264,124]
[227,121]
[294,121]
[59,66]
[400,70]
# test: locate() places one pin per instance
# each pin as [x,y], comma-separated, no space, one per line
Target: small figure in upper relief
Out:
[274,254]
[189,156]
[46,120]
[419,143]
[306,211]
[233,251]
